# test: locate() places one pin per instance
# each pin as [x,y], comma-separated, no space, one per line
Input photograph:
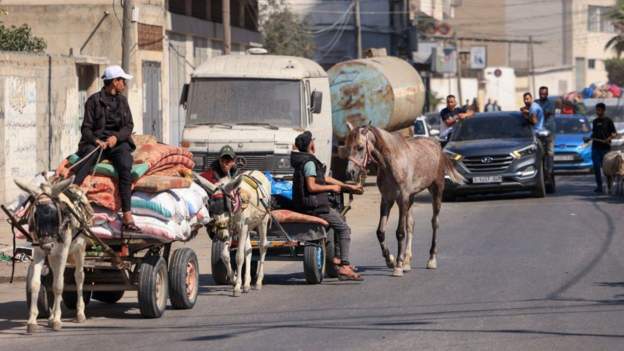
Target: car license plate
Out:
[487,179]
[564,157]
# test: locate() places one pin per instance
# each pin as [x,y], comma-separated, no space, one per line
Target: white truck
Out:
[257,104]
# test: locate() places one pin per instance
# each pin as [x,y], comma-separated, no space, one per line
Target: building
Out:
[172,38]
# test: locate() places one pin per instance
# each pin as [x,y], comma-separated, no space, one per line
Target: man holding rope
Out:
[106,135]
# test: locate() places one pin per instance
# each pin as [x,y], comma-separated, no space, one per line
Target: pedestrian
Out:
[451,114]
[532,111]
[108,125]
[548,107]
[496,106]
[489,107]
[475,105]
[603,131]
[310,195]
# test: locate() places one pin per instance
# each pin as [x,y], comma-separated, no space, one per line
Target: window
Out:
[591,63]
[177,6]
[199,9]
[598,19]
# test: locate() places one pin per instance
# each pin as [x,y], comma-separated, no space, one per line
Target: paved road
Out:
[514,274]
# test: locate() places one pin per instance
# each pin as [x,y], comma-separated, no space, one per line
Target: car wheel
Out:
[540,187]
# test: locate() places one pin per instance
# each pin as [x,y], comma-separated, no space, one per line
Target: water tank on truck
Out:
[385,92]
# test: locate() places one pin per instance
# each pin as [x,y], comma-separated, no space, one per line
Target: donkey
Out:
[54,231]
[613,168]
[405,167]
[235,208]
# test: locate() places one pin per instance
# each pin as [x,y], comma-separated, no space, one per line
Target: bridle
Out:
[368,154]
[33,224]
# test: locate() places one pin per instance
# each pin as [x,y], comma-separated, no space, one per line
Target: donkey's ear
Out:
[350,126]
[204,183]
[27,187]
[61,186]
[229,187]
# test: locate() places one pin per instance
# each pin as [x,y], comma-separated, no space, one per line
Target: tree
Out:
[19,38]
[283,32]
[615,70]
[616,15]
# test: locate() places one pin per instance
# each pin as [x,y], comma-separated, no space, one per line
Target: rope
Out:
[86,157]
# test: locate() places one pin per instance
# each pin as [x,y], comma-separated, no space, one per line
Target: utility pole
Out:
[227,30]
[532,64]
[358,29]
[126,34]
[459,70]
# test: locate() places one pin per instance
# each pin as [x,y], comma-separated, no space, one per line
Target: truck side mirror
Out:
[316,101]
[184,95]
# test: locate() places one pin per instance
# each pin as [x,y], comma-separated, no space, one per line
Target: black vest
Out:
[303,200]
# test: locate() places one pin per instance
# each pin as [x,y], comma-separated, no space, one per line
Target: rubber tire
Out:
[313,266]
[330,252]
[109,297]
[46,296]
[177,278]
[218,269]
[540,188]
[149,269]
[70,299]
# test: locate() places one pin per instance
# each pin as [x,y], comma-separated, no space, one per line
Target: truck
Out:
[259,103]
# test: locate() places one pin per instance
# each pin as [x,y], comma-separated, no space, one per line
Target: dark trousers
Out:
[342,230]
[121,157]
[597,157]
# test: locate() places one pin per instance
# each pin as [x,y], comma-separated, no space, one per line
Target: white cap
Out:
[112,72]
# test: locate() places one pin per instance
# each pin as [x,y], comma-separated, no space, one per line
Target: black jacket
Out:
[304,200]
[94,123]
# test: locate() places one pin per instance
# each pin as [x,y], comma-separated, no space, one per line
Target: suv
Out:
[497,152]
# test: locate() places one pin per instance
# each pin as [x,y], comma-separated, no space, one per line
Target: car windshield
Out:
[419,128]
[244,101]
[570,125]
[499,126]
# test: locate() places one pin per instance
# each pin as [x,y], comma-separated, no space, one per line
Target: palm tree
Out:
[616,15]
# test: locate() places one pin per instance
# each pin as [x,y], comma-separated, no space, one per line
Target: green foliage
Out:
[19,38]
[616,15]
[434,100]
[615,70]
[284,33]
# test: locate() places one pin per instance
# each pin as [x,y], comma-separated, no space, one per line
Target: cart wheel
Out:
[46,296]
[330,250]
[219,272]
[70,299]
[314,263]
[183,279]
[153,286]
[108,296]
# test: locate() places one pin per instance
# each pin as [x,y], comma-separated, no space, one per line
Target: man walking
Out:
[108,125]
[548,107]
[603,130]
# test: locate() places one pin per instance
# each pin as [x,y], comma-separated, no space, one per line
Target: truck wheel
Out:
[70,298]
[183,279]
[46,296]
[540,188]
[330,253]
[108,296]
[153,286]
[219,272]
[314,263]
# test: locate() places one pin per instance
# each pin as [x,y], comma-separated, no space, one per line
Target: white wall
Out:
[446,86]
[503,88]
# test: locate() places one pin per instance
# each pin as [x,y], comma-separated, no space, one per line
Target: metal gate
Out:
[152,105]
[177,78]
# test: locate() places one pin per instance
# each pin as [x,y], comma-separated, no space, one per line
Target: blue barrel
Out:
[386,92]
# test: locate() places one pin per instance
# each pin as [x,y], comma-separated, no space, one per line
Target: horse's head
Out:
[222,205]
[46,217]
[359,148]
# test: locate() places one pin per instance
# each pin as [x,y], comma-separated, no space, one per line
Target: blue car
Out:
[571,152]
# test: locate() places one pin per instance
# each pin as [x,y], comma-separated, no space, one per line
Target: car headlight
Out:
[583,146]
[453,155]
[525,151]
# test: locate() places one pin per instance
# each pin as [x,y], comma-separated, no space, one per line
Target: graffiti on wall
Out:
[20,130]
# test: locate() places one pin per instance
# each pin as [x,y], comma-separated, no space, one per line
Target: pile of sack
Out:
[166,203]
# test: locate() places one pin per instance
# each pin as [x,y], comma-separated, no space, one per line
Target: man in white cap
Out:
[108,125]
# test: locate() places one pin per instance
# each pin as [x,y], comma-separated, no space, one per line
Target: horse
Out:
[405,167]
[55,234]
[237,207]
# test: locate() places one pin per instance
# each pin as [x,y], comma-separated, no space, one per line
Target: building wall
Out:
[39,122]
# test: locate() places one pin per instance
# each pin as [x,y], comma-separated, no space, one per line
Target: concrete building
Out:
[172,38]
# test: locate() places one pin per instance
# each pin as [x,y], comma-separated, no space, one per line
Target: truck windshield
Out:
[233,101]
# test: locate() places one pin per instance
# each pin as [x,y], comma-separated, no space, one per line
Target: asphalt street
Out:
[513,273]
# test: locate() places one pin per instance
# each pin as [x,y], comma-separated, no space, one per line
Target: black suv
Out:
[497,152]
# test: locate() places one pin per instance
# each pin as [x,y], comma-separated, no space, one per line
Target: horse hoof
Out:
[246,289]
[432,264]
[80,319]
[236,293]
[56,325]
[257,287]
[31,328]
[398,272]
[390,261]
[407,267]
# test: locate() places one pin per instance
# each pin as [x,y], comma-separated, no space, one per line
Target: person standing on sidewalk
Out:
[603,130]
[548,107]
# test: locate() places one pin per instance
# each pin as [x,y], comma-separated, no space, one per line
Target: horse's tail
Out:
[451,171]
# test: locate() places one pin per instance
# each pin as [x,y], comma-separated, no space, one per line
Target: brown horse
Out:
[405,167]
